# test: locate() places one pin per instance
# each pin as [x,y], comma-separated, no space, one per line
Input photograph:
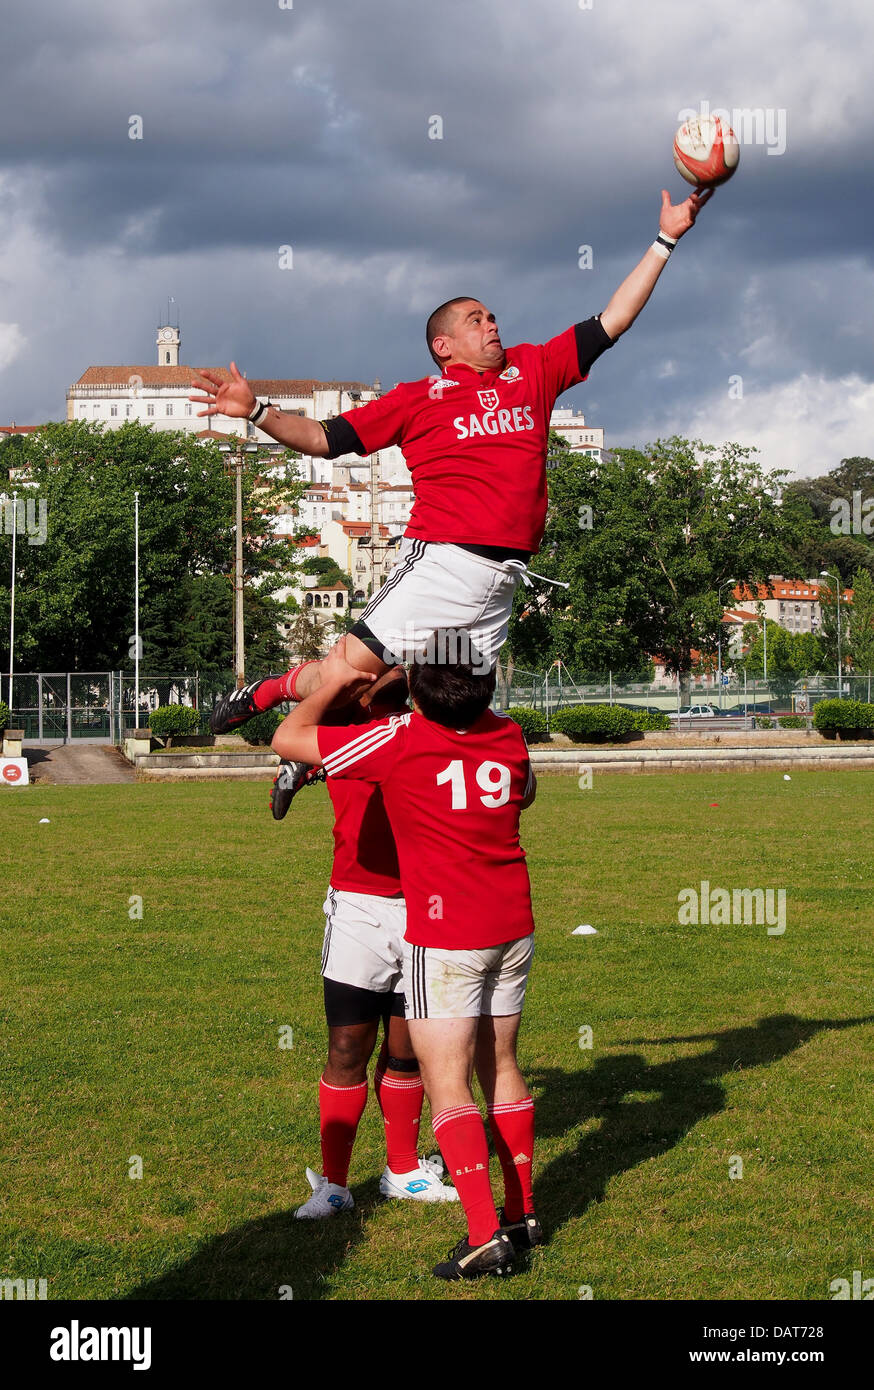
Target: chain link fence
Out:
[58,707]
[91,706]
[556,688]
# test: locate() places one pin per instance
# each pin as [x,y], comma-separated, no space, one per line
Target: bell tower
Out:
[168,341]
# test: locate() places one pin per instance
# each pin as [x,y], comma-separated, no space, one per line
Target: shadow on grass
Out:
[679,1094]
[256,1260]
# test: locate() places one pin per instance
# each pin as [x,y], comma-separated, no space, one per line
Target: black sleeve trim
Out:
[342,437]
[592,340]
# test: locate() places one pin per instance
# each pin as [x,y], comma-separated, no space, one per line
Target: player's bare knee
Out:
[364,657]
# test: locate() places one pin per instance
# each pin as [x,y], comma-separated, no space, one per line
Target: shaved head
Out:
[441,321]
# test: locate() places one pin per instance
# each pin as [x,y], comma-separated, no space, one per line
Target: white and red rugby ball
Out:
[706,151]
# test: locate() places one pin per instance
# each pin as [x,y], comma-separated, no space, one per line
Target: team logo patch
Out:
[510,374]
[488,399]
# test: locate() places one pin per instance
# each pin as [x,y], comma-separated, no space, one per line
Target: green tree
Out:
[791,655]
[306,638]
[644,539]
[832,541]
[326,570]
[74,601]
[860,647]
[831,600]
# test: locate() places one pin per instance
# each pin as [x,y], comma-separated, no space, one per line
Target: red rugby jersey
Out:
[475,442]
[365,856]
[453,799]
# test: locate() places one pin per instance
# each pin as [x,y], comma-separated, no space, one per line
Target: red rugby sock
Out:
[340,1111]
[274,689]
[461,1135]
[512,1126]
[400,1101]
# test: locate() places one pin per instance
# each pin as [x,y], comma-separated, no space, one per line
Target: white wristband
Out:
[664,245]
[259,410]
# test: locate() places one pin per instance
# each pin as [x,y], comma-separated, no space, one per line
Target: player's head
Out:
[464,330]
[388,694]
[451,683]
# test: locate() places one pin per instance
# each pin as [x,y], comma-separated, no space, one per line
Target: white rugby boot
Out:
[328,1199]
[423,1184]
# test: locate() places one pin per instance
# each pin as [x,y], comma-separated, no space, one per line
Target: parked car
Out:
[694,712]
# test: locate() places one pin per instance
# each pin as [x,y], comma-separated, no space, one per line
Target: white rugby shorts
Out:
[466,984]
[364,941]
[434,585]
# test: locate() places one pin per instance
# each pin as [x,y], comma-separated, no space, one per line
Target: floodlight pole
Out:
[719,601]
[136,611]
[826,574]
[12,597]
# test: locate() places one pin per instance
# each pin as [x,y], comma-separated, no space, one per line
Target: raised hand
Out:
[337,670]
[674,221]
[233,398]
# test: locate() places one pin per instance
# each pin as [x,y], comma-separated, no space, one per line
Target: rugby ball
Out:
[706,151]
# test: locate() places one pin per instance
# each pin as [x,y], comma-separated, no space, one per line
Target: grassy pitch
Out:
[714,1141]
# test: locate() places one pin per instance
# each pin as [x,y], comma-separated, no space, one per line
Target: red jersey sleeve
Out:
[379,424]
[369,753]
[567,358]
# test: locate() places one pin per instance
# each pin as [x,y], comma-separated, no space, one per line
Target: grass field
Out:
[159,1038]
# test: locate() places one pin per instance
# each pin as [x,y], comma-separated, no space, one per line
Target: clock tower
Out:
[168,346]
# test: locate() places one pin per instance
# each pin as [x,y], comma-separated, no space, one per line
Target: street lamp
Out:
[239,641]
[136,613]
[12,597]
[719,601]
[826,574]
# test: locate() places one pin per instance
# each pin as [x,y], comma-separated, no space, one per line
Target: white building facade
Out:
[582,438]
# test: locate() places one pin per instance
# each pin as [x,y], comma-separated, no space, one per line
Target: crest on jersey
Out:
[509,374]
[488,399]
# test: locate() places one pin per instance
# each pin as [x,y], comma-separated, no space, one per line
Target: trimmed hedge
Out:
[261,727]
[170,720]
[588,722]
[843,714]
[762,721]
[4,715]
[532,722]
[792,721]
[650,721]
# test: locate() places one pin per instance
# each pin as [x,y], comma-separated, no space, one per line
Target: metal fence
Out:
[90,706]
[556,688]
[99,706]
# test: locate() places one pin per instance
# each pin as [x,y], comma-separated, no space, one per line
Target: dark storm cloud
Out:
[265,126]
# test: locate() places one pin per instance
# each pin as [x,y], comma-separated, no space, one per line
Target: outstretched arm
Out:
[236,399]
[635,290]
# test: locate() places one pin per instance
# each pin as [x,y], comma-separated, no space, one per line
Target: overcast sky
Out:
[265,127]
